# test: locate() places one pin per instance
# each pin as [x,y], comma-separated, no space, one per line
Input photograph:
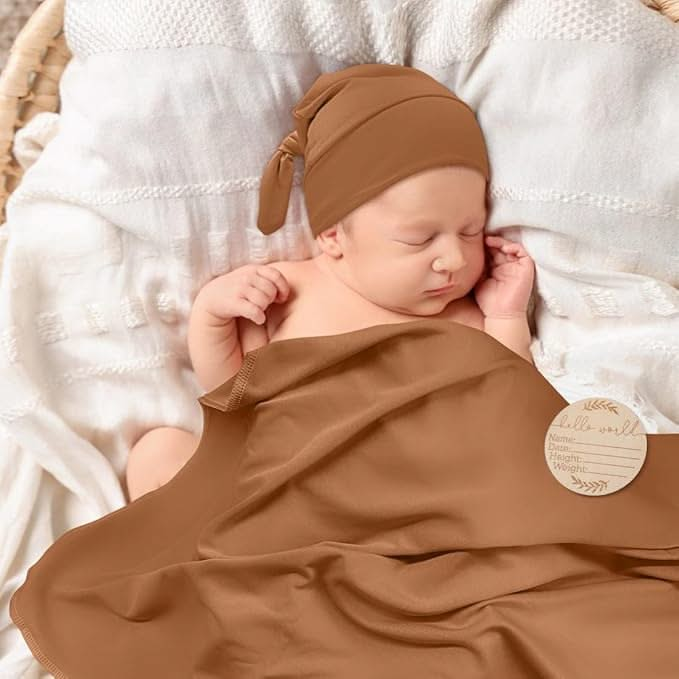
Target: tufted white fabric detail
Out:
[8,340]
[95,318]
[50,327]
[132,310]
[661,299]
[601,302]
[167,308]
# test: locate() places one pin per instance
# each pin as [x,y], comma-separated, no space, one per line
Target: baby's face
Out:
[421,233]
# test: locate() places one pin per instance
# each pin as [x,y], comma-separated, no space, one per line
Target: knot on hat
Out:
[274,193]
[362,129]
[290,145]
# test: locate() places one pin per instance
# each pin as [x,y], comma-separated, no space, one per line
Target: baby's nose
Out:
[451,262]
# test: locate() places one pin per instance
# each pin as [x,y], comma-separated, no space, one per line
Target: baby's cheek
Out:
[479,253]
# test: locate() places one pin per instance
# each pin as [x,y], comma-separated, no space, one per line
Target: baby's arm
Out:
[244,295]
[513,332]
[216,352]
[503,294]
[214,345]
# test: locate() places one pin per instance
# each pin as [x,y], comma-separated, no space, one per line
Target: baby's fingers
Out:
[277,279]
[507,246]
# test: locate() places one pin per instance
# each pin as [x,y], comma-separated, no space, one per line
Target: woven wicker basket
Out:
[29,82]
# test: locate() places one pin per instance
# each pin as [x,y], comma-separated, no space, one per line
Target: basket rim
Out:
[29,84]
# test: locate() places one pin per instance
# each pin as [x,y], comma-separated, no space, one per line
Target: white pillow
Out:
[170,110]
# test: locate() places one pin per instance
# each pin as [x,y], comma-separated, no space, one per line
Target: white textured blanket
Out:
[148,188]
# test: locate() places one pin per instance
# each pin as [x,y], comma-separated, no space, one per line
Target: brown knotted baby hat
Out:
[362,129]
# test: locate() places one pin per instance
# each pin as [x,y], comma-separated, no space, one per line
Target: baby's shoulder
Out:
[252,336]
[300,275]
[289,267]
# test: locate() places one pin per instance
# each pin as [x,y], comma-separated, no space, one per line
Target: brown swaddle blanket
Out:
[366,505]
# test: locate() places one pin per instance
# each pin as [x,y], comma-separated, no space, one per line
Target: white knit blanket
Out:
[147,188]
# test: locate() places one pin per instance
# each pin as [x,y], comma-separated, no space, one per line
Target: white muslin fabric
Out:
[149,188]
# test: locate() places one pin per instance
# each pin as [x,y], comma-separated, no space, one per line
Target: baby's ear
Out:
[328,234]
[327,241]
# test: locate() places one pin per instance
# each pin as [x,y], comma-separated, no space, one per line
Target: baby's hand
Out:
[505,292]
[246,291]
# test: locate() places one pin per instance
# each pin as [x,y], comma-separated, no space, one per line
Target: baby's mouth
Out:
[445,288]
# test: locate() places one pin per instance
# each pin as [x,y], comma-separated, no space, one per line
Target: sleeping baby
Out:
[396,185]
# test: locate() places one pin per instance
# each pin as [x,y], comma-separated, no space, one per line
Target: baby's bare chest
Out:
[316,308]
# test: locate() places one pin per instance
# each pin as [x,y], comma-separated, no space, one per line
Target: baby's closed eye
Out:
[424,242]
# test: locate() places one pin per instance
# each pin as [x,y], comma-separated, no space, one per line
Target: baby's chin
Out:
[429,305]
